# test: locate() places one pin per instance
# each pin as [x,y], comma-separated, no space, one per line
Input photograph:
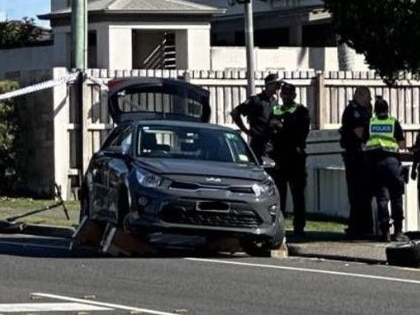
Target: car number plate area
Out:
[212,206]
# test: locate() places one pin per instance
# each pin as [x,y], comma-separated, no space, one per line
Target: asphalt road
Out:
[39,274]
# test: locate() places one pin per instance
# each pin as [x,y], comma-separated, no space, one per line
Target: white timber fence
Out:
[80,118]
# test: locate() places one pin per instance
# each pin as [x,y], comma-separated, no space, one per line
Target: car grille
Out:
[184,212]
[197,186]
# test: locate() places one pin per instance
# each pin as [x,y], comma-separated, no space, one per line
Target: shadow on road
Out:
[51,247]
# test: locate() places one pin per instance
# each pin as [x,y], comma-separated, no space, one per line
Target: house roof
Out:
[141,7]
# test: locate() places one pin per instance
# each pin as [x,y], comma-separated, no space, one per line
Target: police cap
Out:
[272,78]
[288,89]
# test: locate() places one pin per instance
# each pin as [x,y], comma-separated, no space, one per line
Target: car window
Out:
[177,142]
[160,103]
[120,137]
[239,148]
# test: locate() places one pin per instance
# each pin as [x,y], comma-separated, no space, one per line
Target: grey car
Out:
[165,169]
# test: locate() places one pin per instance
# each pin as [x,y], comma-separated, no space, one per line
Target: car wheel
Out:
[407,254]
[256,248]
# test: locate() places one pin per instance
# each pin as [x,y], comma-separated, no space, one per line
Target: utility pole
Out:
[78,62]
[79,34]
[249,42]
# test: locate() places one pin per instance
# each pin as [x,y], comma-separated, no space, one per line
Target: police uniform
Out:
[359,192]
[257,109]
[416,165]
[388,182]
[288,134]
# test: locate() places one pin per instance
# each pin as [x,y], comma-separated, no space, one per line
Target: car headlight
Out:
[147,179]
[265,188]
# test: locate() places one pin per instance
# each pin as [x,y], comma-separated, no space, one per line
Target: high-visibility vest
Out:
[381,135]
[279,110]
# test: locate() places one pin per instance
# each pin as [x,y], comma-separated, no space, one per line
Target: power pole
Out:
[78,62]
[249,42]
[79,34]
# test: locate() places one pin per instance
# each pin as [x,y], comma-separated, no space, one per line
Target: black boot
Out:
[399,236]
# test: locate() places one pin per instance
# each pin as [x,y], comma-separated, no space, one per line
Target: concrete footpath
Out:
[336,246]
[323,245]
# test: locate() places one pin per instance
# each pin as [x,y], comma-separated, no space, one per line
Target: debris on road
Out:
[108,239]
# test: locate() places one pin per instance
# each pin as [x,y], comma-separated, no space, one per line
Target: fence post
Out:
[321,115]
[85,107]
[60,100]
[186,76]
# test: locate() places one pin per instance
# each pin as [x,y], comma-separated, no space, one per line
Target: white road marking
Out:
[329,272]
[110,305]
[50,307]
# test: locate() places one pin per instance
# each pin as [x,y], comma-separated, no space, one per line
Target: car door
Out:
[111,169]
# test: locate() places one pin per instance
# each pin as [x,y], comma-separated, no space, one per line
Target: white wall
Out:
[34,58]
[217,58]
[62,46]
[120,48]
[283,58]
[193,48]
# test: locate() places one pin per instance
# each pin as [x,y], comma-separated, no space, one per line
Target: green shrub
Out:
[8,136]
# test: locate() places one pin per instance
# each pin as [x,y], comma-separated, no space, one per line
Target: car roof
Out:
[179,123]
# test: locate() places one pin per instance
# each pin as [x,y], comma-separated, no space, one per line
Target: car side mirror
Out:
[268,162]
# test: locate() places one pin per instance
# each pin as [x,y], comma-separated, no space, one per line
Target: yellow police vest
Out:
[279,110]
[381,135]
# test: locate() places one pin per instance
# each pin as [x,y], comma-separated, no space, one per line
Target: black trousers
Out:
[359,192]
[259,147]
[388,184]
[291,170]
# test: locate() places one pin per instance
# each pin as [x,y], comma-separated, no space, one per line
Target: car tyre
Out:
[255,247]
[406,254]
[262,248]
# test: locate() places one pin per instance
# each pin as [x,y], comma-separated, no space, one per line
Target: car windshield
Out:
[175,142]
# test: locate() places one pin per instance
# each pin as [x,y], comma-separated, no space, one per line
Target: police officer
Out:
[384,138]
[257,109]
[289,125]
[354,120]
[415,168]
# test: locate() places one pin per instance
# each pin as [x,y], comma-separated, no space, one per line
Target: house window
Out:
[271,38]
[92,50]
[318,35]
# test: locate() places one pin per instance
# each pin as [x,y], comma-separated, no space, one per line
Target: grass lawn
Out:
[55,216]
[11,207]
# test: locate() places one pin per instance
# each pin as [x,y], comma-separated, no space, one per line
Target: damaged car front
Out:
[176,173]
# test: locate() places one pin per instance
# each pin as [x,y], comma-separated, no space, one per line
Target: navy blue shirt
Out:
[257,109]
[354,116]
[294,131]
